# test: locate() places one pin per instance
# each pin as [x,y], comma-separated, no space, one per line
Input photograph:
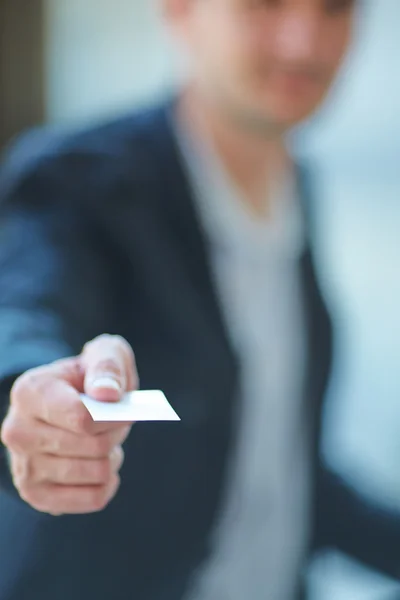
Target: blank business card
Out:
[142,405]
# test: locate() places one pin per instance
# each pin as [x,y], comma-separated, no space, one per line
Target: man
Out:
[183,235]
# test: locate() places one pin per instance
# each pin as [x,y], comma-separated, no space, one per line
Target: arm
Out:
[357,526]
[55,288]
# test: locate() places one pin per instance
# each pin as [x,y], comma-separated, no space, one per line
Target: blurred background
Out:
[65,62]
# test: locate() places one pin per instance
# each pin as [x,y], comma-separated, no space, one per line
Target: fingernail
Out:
[107,383]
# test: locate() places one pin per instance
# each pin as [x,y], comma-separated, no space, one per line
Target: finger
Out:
[36,437]
[76,471]
[60,499]
[42,395]
[110,368]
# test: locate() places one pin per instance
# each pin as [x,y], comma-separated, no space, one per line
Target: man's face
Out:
[269,63]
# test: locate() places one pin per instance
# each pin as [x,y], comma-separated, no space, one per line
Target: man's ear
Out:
[177,16]
[175,9]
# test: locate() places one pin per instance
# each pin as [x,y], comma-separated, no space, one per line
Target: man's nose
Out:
[296,36]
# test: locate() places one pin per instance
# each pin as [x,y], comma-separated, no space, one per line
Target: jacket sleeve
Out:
[55,288]
[356,525]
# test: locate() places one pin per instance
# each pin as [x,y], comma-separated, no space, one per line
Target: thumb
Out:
[104,363]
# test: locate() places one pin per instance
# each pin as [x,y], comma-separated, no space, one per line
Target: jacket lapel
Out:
[181,213]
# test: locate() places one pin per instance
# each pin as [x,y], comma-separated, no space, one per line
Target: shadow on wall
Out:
[22,86]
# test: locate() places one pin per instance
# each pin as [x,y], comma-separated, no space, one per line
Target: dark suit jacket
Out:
[99,233]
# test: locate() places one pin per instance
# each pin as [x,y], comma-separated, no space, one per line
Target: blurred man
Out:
[184,231]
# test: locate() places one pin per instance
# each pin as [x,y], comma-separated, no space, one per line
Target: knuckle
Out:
[20,387]
[109,366]
[29,494]
[52,444]
[12,439]
[21,470]
[41,504]
[79,417]
[102,470]
[25,494]
[101,445]
[68,471]
[35,380]
[33,383]
[98,498]
[8,432]
[14,434]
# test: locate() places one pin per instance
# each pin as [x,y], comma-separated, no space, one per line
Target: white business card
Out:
[142,405]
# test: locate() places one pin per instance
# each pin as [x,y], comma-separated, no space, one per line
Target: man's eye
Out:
[339,6]
[264,3]
[329,6]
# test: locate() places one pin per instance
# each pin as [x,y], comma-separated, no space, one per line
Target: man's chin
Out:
[283,112]
[284,121]
[271,124]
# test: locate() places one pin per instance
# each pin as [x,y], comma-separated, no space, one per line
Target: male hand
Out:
[62,462]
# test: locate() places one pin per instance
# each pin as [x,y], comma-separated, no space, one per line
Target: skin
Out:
[258,68]
[61,461]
